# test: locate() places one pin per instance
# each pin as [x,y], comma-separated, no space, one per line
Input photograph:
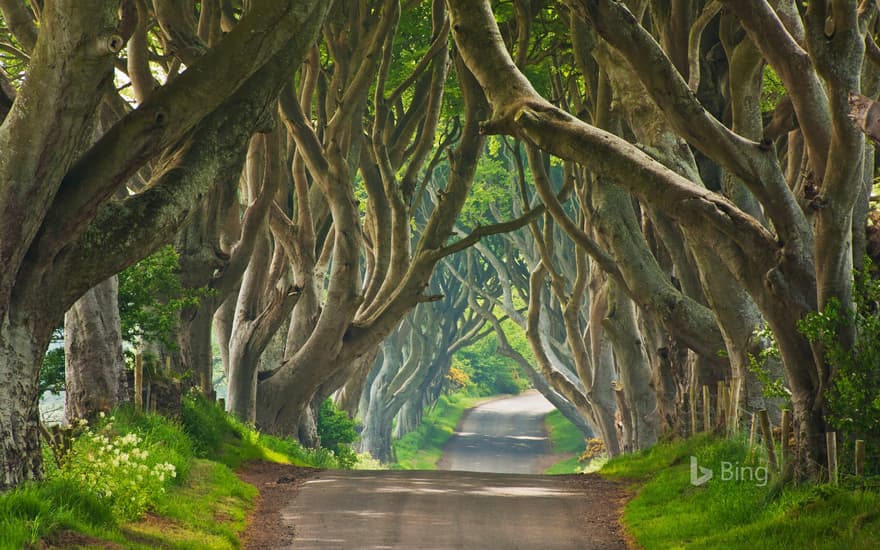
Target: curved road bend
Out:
[505,436]
[467,510]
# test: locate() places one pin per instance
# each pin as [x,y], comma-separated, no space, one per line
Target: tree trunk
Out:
[635,370]
[194,342]
[601,392]
[21,355]
[93,366]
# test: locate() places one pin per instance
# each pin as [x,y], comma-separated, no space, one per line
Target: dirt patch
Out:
[150,529]
[278,485]
[604,520]
[72,539]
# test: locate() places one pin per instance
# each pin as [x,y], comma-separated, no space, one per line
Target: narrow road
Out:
[503,436]
[457,509]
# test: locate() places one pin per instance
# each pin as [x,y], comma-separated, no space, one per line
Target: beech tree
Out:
[337,331]
[60,232]
[803,255]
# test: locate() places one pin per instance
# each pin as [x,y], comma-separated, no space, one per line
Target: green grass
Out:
[564,438]
[221,437]
[422,448]
[669,512]
[208,511]
[204,505]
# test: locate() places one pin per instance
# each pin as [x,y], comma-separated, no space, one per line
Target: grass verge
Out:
[565,438]
[422,448]
[670,512]
[144,481]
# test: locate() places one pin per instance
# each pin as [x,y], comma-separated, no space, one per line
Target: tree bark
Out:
[94,368]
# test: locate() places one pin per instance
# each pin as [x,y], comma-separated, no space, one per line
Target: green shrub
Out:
[854,396]
[207,424]
[482,371]
[337,432]
[127,468]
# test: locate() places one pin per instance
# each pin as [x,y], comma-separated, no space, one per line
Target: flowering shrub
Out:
[595,449]
[118,468]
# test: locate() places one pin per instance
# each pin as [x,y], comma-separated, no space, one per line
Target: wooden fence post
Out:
[767,436]
[753,435]
[831,446]
[786,435]
[860,457]
[720,403]
[707,406]
[735,390]
[139,382]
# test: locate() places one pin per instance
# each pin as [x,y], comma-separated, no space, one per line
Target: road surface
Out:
[456,509]
[503,436]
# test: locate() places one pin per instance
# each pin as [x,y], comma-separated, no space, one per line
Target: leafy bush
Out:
[457,377]
[127,470]
[118,471]
[489,372]
[52,372]
[854,395]
[206,424]
[772,387]
[150,295]
[337,433]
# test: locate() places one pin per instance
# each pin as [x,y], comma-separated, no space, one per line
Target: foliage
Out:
[489,372]
[220,436]
[669,512]
[457,377]
[337,432]
[491,187]
[131,462]
[150,295]
[595,448]
[854,396]
[52,372]
[122,470]
[772,90]
[771,387]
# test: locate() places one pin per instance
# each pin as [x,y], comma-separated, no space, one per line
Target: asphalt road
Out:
[459,509]
[502,436]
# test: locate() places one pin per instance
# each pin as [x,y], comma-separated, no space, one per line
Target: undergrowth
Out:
[737,511]
[128,464]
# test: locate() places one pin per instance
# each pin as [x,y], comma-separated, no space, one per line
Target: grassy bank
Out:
[670,512]
[422,448]
[144,481]
[565,438]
